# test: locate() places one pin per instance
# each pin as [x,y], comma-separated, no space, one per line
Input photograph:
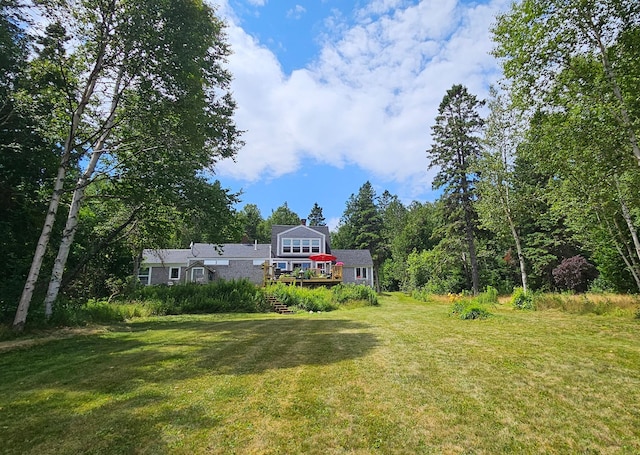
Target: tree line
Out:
[108,129]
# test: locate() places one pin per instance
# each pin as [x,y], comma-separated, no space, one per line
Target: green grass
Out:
[399,378]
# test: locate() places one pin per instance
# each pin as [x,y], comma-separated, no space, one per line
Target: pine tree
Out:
[316,218]
[455,149]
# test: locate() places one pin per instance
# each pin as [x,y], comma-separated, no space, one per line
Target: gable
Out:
[317,237]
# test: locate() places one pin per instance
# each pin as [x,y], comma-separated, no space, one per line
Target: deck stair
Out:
[278,306]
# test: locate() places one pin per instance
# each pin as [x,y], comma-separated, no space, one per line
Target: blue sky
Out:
[334,93]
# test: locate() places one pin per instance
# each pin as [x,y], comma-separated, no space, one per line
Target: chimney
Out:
[255,245]
[303,221]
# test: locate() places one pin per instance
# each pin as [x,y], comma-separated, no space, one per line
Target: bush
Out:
[343,293]
[574,274]
[233,296]
[488,297]
[469,309]
[422,294]
[522,300]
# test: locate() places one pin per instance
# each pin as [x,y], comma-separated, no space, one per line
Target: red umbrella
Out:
[322,257]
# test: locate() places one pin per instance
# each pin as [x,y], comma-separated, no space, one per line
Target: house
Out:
[298,249]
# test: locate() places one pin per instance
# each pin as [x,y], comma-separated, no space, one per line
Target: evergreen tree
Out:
[316,218]
[455,150]
[361,226]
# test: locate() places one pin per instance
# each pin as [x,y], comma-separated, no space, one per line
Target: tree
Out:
[284,216]
[539,42]
[253,224]
[498,204]
[316,218]
[455,150]
[361,226]
[151,92]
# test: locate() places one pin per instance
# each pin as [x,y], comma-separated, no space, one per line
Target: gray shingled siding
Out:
[238,269]
[160,275]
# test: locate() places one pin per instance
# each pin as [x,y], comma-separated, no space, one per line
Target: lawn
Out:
[403,377]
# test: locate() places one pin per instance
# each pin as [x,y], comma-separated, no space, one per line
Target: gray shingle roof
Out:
[354,258]
[206,251]
[231,251]
[165,256]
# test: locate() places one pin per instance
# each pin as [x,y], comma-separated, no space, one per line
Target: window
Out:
[300,246]
[361,273]
[144,275]
[197,274]
[174,273]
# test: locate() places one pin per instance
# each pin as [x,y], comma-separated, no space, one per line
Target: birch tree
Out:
[538,42]
[498,203]
[143,66]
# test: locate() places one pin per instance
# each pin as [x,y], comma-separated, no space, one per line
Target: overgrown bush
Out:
[488,297]
[322,299]
[307,299]
[233,296]
[469,309]
[574,274]
[422,295]
[345,292]
[522,300]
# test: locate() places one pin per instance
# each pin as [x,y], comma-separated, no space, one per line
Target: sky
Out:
[334,93]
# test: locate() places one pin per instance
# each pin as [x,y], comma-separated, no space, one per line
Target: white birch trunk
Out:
[71,226]
[54,203]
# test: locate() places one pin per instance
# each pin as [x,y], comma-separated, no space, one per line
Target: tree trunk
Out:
[45,235]
[523,269]
[78,196]
[627,218]
[43,241]
[68,234]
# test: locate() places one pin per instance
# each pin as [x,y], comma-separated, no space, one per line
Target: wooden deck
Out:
[305,282]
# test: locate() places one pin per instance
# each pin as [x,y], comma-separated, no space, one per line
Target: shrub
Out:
[574,274]
[345,292]
[522,300]
[422,294]
[488,297]
[318,299]
[469,309]
[222,296]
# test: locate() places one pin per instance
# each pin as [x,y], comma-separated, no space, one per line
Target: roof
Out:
[354,258]
[278,229]
[165,256]
[206,251]
[231,251]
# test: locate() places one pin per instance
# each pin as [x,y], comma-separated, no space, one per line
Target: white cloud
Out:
[370,97]
[296,12]
[257,2]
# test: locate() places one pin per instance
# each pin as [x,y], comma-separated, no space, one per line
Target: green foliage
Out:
[99,312]
[322,298]
[422,294]
[488,297]
[522,300]
[345,292]
[307,299]
[469,309]
[233,296]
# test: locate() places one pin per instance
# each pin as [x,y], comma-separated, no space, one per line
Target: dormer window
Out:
[300,246]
